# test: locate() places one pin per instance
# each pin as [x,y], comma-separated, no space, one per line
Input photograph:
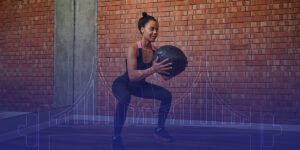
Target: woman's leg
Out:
[121,92]
[152,91]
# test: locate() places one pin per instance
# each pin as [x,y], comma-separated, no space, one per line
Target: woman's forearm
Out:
[136,75]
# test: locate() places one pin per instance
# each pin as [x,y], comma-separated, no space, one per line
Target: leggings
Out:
[122,90]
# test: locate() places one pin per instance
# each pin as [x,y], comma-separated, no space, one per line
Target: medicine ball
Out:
[175,56]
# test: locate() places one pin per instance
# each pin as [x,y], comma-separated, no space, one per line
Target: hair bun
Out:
[145,14]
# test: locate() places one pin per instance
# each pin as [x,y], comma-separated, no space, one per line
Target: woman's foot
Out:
[117,143]
[162,134]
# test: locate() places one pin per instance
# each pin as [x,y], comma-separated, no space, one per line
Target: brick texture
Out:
[243,57]
[26,54]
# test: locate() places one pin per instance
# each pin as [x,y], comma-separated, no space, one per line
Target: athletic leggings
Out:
[123,89]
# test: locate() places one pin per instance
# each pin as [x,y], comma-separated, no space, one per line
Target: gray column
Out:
[85,54]
[64,53]
[76,54]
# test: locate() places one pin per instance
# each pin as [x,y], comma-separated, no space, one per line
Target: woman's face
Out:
[150,31]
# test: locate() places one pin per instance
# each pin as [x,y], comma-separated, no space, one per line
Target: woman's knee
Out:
[122,97]
[166,96]
[121,93]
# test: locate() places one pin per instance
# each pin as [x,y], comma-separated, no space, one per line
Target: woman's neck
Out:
[145,43]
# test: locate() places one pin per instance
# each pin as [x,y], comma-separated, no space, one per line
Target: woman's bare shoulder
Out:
[133,49]
[133,46]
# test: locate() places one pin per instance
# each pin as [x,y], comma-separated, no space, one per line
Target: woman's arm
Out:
[134,74]
[160,76]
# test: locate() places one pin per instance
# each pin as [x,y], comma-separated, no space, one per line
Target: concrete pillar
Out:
[75,54]
[64,53]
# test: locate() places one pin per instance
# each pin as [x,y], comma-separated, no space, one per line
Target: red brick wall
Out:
[26,54]
[244,57]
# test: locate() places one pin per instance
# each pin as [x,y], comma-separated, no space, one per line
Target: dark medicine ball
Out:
[175,56]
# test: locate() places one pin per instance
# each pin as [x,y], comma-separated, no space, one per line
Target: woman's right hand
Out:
[161,67]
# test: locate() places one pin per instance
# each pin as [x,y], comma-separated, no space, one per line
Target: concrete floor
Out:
[97,137]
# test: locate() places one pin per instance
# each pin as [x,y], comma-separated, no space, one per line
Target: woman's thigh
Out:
[151,91]
[121,90]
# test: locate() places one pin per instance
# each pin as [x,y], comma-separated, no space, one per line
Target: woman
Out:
[139,66]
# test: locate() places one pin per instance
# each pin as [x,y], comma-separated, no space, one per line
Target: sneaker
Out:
[117,143]
[162,134]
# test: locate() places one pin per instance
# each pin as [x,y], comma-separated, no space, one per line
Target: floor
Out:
[98,137]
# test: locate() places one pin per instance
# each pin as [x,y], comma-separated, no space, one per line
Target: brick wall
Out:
[26,54]
[244,57]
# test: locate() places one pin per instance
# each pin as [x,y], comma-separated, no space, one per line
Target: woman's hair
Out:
[145,19]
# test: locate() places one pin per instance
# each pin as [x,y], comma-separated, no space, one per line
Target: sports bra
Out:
[140,63]
[139,43]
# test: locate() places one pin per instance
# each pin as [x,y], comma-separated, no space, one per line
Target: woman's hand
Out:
[161,67]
